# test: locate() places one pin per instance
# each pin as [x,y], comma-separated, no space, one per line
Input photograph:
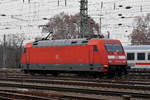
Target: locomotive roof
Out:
[137,47]
[64,42]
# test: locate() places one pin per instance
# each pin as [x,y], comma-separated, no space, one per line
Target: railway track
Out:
[76,90]
[23,84]
[130,76]
[107,84]
[27,81]
[7,95]
[24,95]
[37,79]
[117,81]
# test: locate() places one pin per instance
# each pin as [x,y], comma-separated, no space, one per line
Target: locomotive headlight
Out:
[111,57]
[105,65]
[110,61]
[124,61]
[122,57]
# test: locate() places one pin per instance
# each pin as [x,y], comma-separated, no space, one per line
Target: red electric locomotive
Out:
[92,56]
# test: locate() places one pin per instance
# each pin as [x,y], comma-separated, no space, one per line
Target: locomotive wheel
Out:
[32,73]
[125,71]
[43,74]
[111,74]
[119,73]
[55,74]
[25,71]
[89,75]
[83,74]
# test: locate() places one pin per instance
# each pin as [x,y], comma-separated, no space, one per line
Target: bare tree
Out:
[13,51]
[68,26]
[141,32]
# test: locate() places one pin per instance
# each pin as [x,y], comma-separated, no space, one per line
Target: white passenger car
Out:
[138,57]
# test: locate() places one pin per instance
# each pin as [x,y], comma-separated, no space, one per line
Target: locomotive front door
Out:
[91,55]
[27,59]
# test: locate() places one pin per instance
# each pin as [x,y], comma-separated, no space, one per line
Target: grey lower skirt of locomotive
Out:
[79,69]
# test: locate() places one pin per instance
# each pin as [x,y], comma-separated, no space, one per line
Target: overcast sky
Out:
[18,16]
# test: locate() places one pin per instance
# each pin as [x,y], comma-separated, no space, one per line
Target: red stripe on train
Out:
[142,63]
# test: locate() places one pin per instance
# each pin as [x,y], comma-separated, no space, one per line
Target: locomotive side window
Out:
[140,56]
[95,48]
[148,56]
[130,56]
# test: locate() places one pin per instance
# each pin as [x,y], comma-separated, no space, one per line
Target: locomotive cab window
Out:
[113,47]
[130,56]
[95,48]
[140,56]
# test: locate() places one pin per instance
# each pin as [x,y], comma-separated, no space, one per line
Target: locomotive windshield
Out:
[113,47]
